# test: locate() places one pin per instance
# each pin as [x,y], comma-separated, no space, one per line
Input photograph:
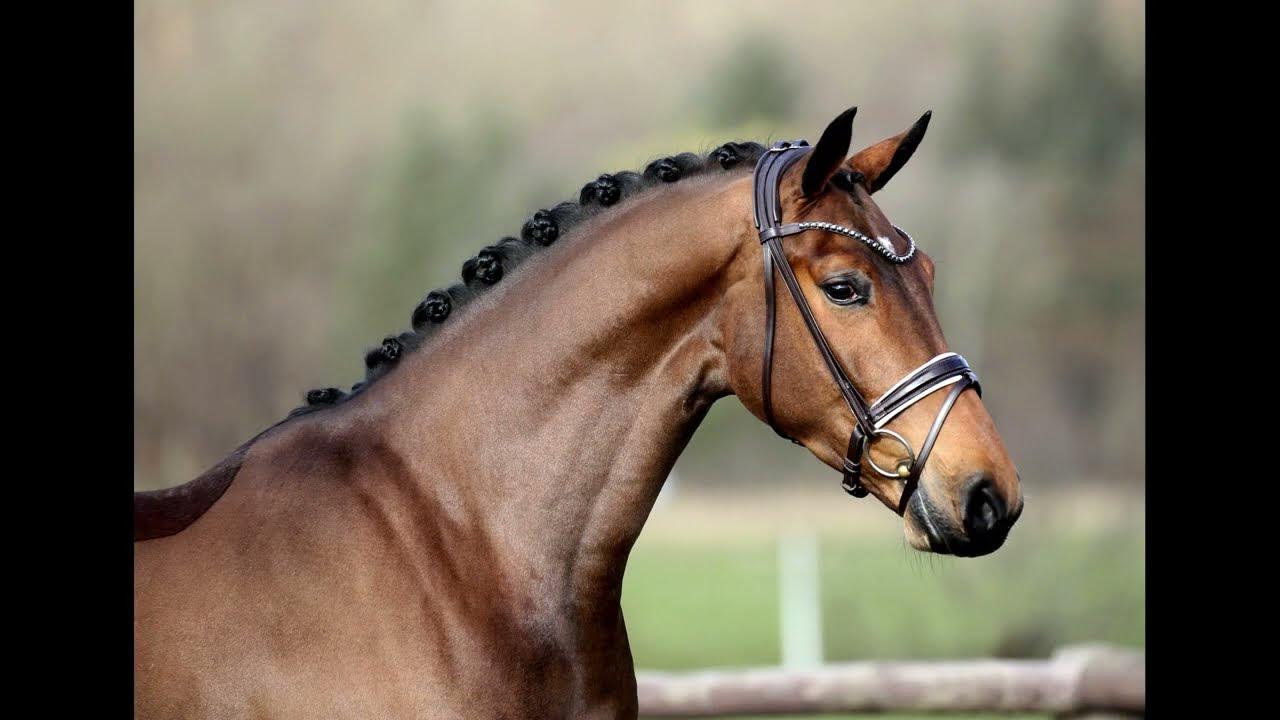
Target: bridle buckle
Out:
[852,481]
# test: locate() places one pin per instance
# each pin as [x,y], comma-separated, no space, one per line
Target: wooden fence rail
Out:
[1075,681]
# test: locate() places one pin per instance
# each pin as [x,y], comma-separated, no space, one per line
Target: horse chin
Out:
[916,537]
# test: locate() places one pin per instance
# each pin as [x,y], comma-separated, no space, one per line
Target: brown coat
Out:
[451,542]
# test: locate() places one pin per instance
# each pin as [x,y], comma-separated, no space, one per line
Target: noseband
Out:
[870,419]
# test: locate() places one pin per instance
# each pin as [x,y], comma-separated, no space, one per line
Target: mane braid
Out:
[541,230]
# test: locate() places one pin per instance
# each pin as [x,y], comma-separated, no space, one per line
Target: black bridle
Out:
[870,419]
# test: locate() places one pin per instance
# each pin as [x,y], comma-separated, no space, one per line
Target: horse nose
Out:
[984,509]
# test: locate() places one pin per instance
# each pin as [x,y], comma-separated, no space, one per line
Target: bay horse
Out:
[448,538]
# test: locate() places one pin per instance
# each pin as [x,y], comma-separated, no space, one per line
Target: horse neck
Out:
[546,418]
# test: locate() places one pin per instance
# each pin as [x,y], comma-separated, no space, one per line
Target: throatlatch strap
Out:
[767,206]
[770,309]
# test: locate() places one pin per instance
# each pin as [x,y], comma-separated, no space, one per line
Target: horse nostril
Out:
[983,508]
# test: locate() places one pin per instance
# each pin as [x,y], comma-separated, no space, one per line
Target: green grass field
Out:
[693,606]
[714,603]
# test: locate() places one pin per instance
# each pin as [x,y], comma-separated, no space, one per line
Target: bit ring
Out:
[910,460]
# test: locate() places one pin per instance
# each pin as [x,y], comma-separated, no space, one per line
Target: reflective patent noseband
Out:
[947,369]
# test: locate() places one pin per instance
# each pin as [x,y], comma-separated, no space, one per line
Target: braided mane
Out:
[543,229]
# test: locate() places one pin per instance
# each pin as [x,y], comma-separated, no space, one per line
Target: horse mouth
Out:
[929,530]
[920,529]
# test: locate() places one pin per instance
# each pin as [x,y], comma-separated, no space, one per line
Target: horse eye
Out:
[841,292]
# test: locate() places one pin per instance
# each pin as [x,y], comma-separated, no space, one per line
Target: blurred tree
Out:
[1068,133]
[1077,109]
[754,81]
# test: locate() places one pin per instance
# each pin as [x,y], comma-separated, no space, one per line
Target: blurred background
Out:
[305,172]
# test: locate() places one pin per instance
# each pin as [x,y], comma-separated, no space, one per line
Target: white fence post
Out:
[800,600]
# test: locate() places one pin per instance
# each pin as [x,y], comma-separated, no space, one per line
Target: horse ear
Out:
[881,161]
[830,151]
